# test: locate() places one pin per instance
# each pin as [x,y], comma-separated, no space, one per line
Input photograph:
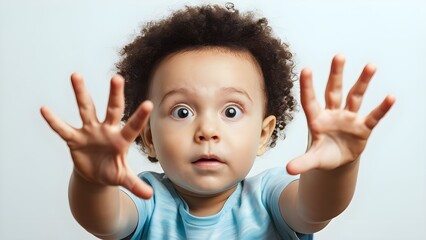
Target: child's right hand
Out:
[99,149]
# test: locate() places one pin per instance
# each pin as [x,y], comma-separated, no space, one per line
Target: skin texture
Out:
[207,83]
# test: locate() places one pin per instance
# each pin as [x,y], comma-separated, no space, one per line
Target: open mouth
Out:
[208,162]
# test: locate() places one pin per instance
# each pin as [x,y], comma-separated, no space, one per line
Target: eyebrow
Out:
[226,90]
[183,91]
[236,90]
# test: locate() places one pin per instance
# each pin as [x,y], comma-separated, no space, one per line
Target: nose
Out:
[207,130]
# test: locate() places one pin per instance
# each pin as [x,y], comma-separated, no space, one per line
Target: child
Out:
[207,90]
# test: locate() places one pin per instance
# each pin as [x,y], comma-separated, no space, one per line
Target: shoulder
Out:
[162,189]
[267,186]
[153,177]
[270,184]
[161,206]
[277,176]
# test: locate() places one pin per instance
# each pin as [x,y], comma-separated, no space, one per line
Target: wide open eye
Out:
[232,112]
[181,112]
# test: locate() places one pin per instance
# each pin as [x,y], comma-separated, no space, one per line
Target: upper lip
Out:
[209,157]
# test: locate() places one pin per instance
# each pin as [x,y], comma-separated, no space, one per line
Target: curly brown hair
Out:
[194,28]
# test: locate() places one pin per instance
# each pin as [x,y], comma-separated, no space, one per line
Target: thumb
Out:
[301,164]
[137,186]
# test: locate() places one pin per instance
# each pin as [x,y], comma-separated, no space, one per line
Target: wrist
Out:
[80,180]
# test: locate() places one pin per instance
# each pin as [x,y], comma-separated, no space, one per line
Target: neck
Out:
[204,205]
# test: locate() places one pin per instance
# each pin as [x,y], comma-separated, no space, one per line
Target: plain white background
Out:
[43,42]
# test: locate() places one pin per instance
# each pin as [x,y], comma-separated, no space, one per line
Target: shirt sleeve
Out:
[273,183]
[144,208]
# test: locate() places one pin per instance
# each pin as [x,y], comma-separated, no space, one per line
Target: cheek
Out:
[164,145]
[168,140]
[244,140]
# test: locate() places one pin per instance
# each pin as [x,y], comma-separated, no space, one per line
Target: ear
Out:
[268,126]
[147,141]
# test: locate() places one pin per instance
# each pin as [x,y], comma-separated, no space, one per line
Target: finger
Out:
[65,131]
[137,186]
[137,121]
[307,95]
[301,164]
[333,91]
[379,112]
[116,101]
[84,101]
[356,94]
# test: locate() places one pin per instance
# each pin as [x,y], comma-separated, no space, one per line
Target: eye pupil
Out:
[183,113]
[230,112]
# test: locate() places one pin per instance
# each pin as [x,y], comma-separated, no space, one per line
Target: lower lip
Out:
[208,164]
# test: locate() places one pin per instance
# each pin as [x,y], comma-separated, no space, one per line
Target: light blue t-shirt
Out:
[251,212]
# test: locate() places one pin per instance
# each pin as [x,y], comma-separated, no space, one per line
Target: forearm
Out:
[100,209]
[322,195]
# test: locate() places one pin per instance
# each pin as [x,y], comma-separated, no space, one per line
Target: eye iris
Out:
[230,112]
[183,113]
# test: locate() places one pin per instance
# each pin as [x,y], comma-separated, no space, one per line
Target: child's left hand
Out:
[338,136]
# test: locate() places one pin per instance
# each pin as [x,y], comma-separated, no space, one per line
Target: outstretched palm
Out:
[338,136]
[99,149]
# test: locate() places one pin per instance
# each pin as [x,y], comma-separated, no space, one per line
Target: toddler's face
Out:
[208,122]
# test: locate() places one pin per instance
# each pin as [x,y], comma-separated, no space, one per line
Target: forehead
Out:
[206,70]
